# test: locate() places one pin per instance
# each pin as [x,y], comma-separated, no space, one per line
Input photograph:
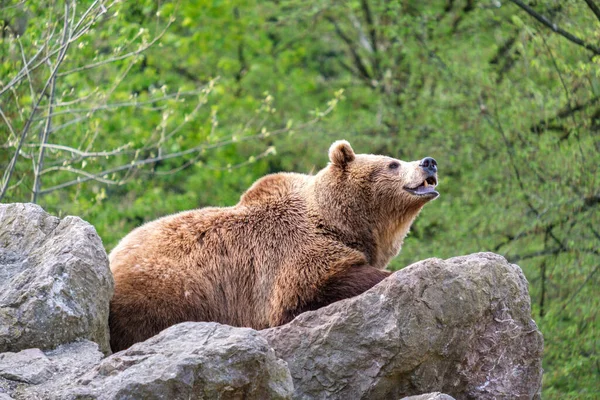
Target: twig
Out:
[372,31]
[32,92]
[588,203]
[552,251]
[589,277]
[81,172]
[192,150]
[13,162]
[48,125]
[122,56]
[24,70]
[10,127]
[77,100]
[84,154]
[20,3]
[111,106]
[534,254]
[566,95]
[52,53]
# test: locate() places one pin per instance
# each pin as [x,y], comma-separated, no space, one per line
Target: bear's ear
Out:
[340,153]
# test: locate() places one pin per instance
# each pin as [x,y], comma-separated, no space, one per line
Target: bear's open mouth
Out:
[426,188]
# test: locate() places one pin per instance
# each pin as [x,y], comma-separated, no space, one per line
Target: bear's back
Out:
[273,208]
[210,264]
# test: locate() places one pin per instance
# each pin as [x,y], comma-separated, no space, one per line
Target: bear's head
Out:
[373,199]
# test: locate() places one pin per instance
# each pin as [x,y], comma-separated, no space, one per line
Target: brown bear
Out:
[293,243]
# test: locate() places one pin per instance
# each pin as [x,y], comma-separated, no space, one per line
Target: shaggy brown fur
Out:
[293,243]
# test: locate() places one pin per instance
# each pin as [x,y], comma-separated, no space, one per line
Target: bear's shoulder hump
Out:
[274,187]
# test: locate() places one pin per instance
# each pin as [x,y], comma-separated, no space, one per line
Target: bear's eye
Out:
[394,165]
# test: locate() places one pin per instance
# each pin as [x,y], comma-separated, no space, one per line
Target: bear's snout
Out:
[429,165]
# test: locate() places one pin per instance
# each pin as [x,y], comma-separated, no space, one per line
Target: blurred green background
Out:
[122,112]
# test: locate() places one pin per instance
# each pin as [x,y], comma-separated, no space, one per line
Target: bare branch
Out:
[196,149]
[18,183]
[13,162]
[48,126]
[72,38]
[23,72]
[79,99]
[140,50]
[82,154]
[32,92]
[115,106]
[28,67]
[81,172]
[49,83]
[85,15]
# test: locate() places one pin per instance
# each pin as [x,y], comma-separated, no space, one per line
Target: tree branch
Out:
[233,139]
[116,106]
[84,154]
[589,277]
[50,54]
[588,203]
[556,28]
[364,73]
[13,162]
[594,8]
[83,173]
[140,50]
[48,125]
[372,33]
[564,113]
[552,251]
[545,252]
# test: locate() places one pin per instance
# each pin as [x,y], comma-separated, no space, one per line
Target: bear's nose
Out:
[429,165]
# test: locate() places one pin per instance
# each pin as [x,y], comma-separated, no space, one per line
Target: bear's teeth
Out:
[425,183]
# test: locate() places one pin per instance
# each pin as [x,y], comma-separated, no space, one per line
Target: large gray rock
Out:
[55,284]
[461,326]
[193,360]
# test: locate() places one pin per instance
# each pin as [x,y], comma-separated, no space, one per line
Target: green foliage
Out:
[509,109]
